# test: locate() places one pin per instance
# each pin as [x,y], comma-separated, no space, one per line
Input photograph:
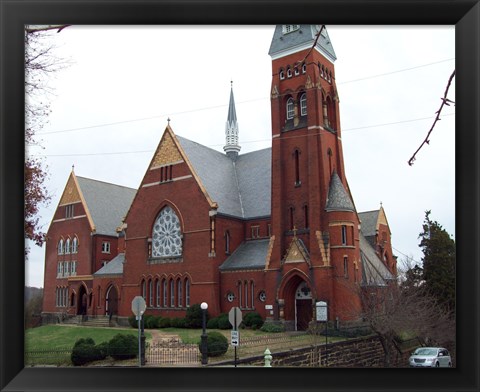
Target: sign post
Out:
[322,315]
[235,318]
[138,308]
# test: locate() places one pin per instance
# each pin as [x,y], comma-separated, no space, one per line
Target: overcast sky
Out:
[111,106]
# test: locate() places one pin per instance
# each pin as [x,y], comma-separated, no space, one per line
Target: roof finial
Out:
[73,168]
[168,120]
[231,129]
[295,231]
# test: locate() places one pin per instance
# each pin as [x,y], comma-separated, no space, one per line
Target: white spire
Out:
[231,129]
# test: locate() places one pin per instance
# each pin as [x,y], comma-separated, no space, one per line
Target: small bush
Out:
[223,322]
[271,327]
[85,351]
[103,349]
[194,316]
[212,323]
[164,322]
[217,344]
[253,320]
[178,322]
[123,346]
[152,322]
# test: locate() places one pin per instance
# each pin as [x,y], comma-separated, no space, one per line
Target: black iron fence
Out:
[172,352]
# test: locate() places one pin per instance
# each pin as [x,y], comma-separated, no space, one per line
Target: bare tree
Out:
[392,312]
[40,64]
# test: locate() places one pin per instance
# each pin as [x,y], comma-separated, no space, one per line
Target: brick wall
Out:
[355,353]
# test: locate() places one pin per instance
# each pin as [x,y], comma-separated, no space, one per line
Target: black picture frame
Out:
[464,14]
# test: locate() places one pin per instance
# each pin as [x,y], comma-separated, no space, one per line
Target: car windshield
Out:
[425,351]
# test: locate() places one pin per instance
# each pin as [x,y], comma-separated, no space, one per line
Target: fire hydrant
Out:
[268,358]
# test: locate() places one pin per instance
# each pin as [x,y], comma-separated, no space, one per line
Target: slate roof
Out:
[242,187]
[338,199]
[304,36]
[113,267]
[374,272]
[249,255]
[107,203]
[368,220]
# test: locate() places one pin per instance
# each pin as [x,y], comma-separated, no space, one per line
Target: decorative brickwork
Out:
[167,152]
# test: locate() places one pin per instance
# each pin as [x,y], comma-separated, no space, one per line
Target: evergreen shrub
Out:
[123,346]
[85,351]
[164,322]
[178,322]
[271,327]
[217,344]
[253,320]
[194,316]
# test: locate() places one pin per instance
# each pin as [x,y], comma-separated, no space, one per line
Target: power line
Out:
[225,105]
[247,141]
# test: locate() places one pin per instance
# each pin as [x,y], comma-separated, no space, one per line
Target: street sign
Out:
[235,338]
[138,306]
[235,317]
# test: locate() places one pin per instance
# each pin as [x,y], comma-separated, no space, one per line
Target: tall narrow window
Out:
[157,293]
[344,235]
[150,292]
[172,293]
[164,294]
[282,74]
[246,294]
[305,214]
[69,211]
[75,245]
[187,292]
[179,293]
[290,108]
[345,267]
[296,157]
[67,246]
[252,294]
[291,217]
[227,242]
[240,294]
[60,247]
[144,290]
[303,104]
[330,154]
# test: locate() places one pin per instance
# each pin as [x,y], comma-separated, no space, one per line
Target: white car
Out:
[430,357]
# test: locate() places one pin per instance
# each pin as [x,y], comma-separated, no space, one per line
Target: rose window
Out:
[167,236]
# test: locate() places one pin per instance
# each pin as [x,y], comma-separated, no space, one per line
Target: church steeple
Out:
[231,129]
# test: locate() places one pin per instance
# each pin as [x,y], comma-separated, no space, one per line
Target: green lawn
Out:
[193,335]
[50,337]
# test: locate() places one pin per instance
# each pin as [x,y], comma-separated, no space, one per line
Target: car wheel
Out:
[449,364]
[437,364]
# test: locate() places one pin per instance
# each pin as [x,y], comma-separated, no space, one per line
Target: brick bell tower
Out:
[314,252]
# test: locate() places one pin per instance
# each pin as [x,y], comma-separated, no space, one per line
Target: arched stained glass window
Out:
[167,235]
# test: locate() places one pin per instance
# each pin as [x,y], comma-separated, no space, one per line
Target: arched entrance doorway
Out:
[296,304]
[111,301]
[303,306]
[82,301]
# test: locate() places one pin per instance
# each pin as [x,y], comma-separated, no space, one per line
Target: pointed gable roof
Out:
[338,199]
[107,203]
[296,39]
[113,267]
[370,222]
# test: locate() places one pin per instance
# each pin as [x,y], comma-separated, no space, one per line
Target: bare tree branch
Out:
[445,101]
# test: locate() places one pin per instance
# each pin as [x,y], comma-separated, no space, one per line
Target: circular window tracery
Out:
[230,296]
[262,296]
[167,236]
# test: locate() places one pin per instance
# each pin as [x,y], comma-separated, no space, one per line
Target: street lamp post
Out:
[204,307]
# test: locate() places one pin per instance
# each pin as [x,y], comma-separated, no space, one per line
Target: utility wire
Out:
[223,105]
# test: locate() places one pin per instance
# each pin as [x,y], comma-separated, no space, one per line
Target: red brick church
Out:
[273,231]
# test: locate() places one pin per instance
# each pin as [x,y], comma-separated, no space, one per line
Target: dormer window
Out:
[289,28]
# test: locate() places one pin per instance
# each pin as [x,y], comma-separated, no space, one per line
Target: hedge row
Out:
[121,346]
